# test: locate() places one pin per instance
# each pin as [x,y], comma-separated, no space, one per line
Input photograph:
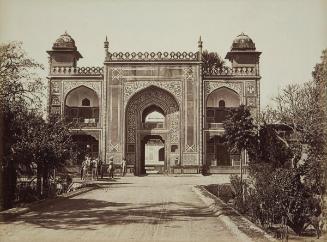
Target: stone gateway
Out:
[162,112]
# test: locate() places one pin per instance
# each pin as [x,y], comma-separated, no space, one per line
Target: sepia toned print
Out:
[163,120]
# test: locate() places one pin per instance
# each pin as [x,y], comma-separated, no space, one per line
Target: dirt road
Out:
[151,208]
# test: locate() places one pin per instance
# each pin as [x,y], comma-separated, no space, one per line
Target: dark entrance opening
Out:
[85,145]
[152,155]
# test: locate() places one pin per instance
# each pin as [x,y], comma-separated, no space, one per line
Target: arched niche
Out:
[82,106]
[76,96]
[228,96]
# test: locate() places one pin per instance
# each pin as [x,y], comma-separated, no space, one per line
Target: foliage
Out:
[287,155]
[27,139]
[223,191]
[239,186]
[211,60]
[20,82]
[240,132]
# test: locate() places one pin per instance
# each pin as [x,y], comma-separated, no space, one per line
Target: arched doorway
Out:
[151,112]
[153,155]
[85,144]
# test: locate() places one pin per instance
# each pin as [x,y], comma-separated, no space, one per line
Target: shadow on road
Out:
[84,214]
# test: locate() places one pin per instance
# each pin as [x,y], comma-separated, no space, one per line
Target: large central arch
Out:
[135,131]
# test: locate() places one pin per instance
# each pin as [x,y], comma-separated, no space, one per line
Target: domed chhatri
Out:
[64,51]
[243,42]
[65,41]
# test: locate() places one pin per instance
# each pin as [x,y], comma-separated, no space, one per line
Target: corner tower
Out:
[243,53]
[227,88]
[75,95]
[64,52]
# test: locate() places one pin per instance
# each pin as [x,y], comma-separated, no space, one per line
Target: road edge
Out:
[221,210]
[15,212]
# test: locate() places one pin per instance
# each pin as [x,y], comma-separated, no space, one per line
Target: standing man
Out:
[123,166]
[87,166]
[96,164]
[111,167]
[83,169]
[93,168]
[101,167]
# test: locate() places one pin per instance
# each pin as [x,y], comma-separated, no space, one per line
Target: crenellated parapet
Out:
[76,71]
[152,56]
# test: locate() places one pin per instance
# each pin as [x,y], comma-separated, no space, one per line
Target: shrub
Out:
[276,196]
[239,188]
[223,191]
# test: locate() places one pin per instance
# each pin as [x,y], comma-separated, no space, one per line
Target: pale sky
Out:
[290,33]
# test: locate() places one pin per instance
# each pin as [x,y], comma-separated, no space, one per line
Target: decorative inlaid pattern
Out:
[117,73]
[55,89]
[70,85]
[114,148]
[174,87]
[251,101]
[174,127]
[189,159]
[130,158]
[210,86]
[55,100]
[55,110]
[250,88]
[188,73]
[190,148]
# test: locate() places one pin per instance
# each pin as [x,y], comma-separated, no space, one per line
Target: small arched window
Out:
[221,104]
[85,102]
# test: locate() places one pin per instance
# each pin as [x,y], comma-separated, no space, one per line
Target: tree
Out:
[27,139]
[18,75]
[286,185]
[211,61]
[320,79]
[20,88]
[46,144]
[240,131]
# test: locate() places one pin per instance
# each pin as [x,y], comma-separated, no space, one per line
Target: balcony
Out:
[84,122]
[153,125]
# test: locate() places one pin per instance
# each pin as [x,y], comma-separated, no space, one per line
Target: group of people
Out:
[94,166]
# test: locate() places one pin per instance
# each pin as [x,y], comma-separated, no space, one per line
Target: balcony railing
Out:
[227,71]
[84,122]
[76,71]
[215,126]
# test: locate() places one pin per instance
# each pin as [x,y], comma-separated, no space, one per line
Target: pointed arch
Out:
[228,95]
[75,96]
